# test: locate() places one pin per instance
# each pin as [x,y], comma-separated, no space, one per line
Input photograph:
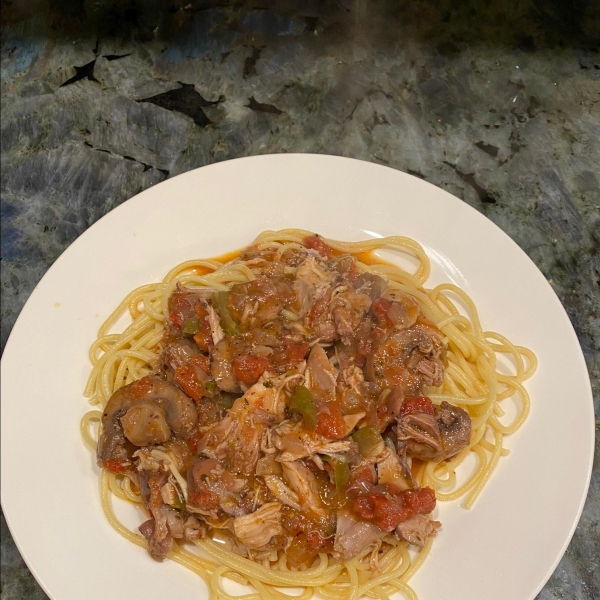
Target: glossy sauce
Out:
[370,258]
[224,258]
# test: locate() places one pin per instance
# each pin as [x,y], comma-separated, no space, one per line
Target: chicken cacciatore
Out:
[286,413]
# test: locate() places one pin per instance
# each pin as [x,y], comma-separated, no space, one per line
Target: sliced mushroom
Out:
[148,410]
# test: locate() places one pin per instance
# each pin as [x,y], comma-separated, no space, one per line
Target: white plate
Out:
[505,547]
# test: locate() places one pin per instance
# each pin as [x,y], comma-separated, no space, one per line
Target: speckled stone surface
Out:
[496,102]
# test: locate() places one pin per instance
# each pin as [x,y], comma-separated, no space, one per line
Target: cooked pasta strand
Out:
[473,381]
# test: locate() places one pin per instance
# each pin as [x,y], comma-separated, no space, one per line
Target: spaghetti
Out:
[474,381]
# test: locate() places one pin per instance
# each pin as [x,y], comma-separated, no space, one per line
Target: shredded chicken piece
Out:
[353,377]
[147,462]
[417,530]
[169,494]
[282,492]
[390,470]
[256,529]
[302,481]
[311,272]
[295,442]
[352,535]
[215,325]
[321,373]
[352,421]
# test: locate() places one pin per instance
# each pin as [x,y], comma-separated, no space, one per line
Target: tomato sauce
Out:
[224,258]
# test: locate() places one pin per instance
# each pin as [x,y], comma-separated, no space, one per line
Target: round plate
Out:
[505,547]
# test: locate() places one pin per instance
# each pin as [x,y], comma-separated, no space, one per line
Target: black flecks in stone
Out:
[520,118]
[185,100]
[115,56]
[94,148]
[415,173]
[311,24]
[488,148]
[250,62]
[515,145]
[146,167]
[469,178]
[260,107]
[85,72]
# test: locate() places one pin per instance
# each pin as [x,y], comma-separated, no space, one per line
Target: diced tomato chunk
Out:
[176,319]
[201,361]
[363,479]
[294,352]
[330,421]
[364,346]
[383,510]
[418,404]
[313,539]
[387,512]
[180,309]
[364,507]
[138,389]
[204,340]
[387,509]
[204,499]
[115,466]
[380,307]
[248,368]
[317,243]
[417,502]
[187,378]
[193,441]
[200,312]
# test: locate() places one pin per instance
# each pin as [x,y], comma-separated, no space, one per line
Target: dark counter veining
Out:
[497,103]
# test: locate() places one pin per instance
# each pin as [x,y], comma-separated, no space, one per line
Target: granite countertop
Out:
[496,102]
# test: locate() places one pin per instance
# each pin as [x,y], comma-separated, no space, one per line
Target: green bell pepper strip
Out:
[303,403]
[367,439]
[341,471]
[191,326]
[227,323]
[211,388]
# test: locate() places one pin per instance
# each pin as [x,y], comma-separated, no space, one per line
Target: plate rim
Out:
[448,197]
